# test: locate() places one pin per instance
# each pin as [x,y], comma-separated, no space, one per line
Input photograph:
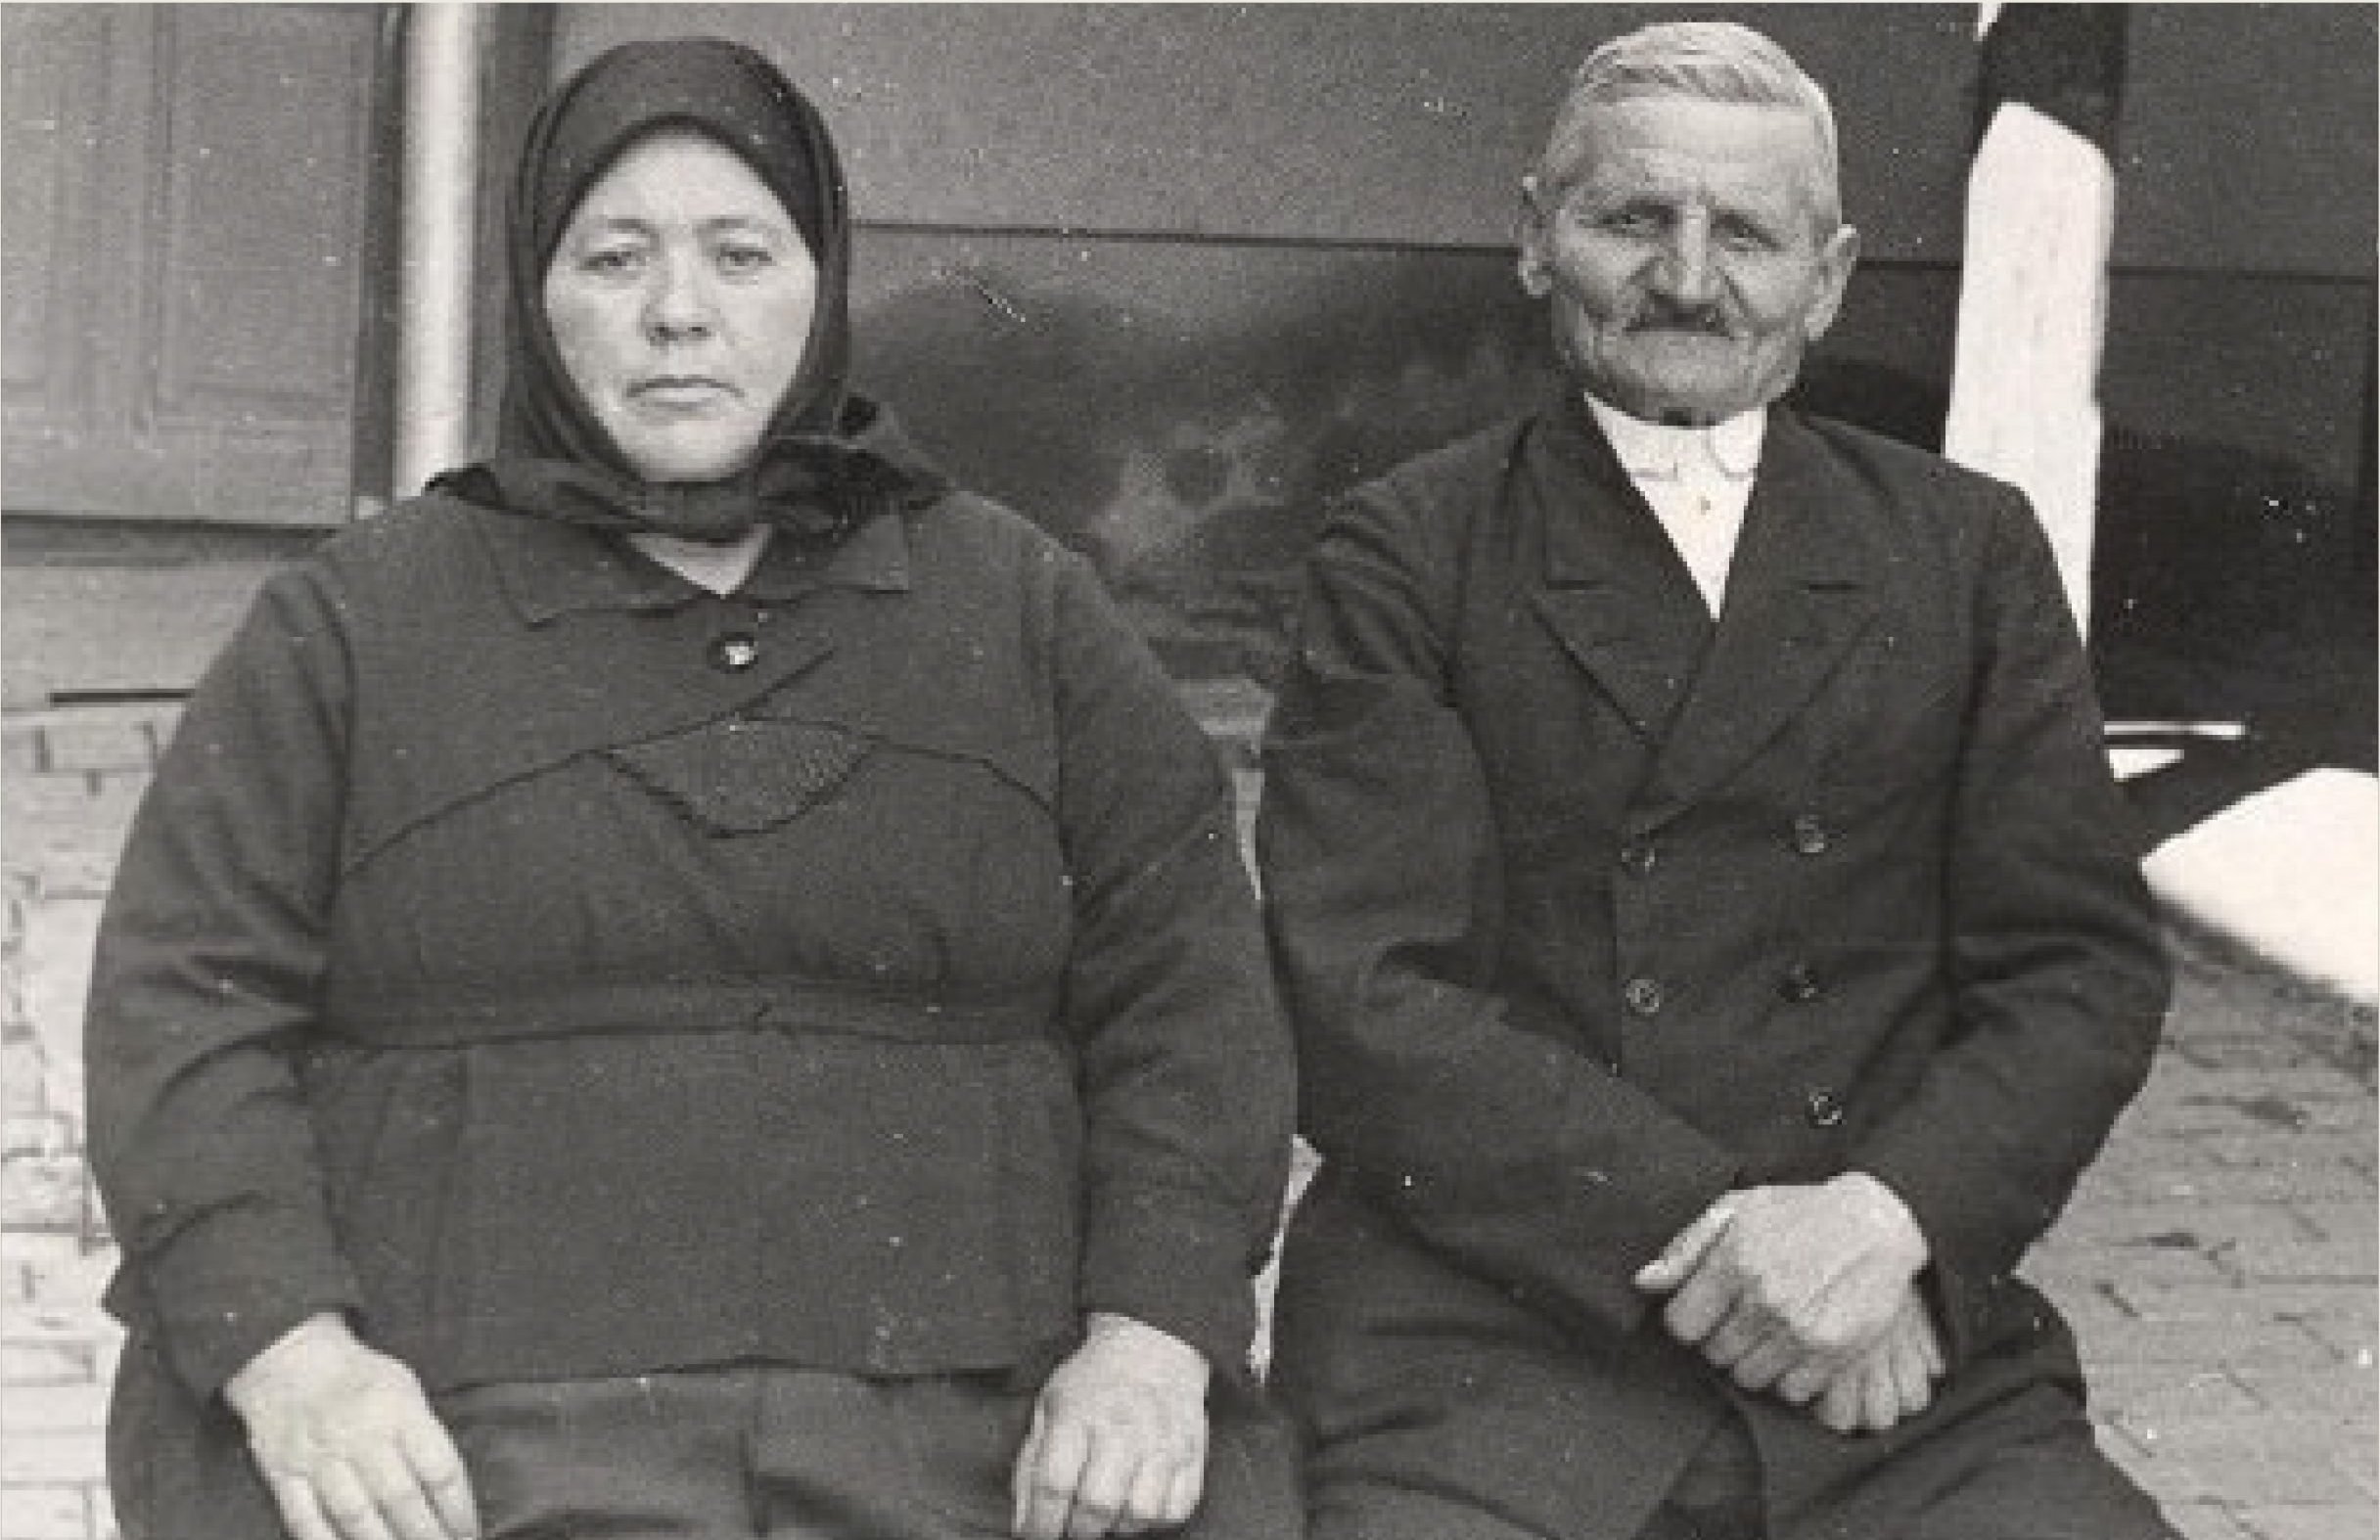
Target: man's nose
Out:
[679,306]
[1687,272]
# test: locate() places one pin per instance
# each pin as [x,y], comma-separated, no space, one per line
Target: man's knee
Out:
[2058,1487]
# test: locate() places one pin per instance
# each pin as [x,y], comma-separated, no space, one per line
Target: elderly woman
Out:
[693,980]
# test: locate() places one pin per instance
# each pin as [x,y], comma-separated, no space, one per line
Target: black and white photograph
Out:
[1284,771]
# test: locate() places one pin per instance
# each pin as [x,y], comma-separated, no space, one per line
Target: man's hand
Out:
[1778,1281]
[1119,1441]
[347,1442]
[1891,1381]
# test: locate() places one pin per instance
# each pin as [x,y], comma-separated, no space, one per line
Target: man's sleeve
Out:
[1515,1154]
[2057,965]
[209,960]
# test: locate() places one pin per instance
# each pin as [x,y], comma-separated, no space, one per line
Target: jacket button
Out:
[1643,996]
[1638,858]
[735,652]
[1824,1108]
[1801,985]
[1809,836]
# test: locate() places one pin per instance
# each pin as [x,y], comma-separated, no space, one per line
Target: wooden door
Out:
[192,195]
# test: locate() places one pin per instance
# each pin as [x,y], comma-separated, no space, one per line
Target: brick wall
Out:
[70,786]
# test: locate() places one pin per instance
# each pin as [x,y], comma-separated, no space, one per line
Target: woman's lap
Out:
[799,1455]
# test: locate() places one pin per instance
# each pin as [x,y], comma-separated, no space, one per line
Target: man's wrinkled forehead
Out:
[1572,148]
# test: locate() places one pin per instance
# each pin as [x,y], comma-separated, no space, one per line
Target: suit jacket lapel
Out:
[1616,593]
[1799,594]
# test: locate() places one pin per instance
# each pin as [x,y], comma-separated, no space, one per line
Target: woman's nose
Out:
[679,306]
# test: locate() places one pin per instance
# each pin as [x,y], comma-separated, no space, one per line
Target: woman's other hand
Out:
[1119,1441]
[347,1441]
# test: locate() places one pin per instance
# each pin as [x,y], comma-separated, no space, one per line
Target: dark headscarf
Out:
[811,474]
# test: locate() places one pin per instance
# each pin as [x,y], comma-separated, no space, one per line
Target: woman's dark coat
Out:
[566,972]
[1589,910]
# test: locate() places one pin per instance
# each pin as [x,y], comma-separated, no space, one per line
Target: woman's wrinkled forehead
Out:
[676,176]
[719,90]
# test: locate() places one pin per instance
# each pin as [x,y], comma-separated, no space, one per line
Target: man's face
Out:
[1681,244]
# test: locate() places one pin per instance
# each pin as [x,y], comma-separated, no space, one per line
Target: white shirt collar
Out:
[710,566]
[1731,448]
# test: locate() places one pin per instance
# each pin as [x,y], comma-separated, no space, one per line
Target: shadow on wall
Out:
[2227,585]
[2234,587]
[1194,465]
[1195,468]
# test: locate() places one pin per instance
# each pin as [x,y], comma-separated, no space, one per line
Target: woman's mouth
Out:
[681,392]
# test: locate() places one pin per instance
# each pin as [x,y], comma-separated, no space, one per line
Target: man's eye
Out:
[1626,221]
[1740,236]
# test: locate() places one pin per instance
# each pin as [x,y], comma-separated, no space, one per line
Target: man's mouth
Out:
[1684,325]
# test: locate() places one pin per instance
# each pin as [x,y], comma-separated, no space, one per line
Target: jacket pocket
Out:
[618,1204]
[922,1201]
[608,1195]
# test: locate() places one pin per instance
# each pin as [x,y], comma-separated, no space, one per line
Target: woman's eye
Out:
[744,258]
[613,259]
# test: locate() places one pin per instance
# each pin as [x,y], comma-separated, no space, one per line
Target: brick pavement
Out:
[2219,1262]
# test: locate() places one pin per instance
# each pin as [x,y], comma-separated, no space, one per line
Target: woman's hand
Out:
[1119,1441]
[347,1441]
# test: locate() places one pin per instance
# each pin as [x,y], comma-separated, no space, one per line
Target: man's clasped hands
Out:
[1809,1291]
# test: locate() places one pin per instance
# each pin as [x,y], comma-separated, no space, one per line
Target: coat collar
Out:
[549,570]
[571,685]
[1616,592]
[1799,593]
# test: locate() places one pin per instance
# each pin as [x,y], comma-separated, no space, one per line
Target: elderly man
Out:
[1715,939]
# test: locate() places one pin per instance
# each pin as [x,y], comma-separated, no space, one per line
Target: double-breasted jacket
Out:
[1590,909]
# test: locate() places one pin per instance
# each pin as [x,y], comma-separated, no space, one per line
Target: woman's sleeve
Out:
[209,961]
[1186,1069]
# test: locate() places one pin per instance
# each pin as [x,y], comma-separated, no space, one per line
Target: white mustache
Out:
[1700,323]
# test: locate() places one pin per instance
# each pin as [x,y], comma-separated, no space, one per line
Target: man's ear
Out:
[1535,241]
[1836,260]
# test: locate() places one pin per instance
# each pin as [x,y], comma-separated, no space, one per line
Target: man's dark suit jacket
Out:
[1590,910]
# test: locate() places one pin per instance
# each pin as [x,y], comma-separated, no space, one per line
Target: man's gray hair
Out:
[1705,61]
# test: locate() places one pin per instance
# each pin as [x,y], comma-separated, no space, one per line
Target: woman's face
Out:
[681,298]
